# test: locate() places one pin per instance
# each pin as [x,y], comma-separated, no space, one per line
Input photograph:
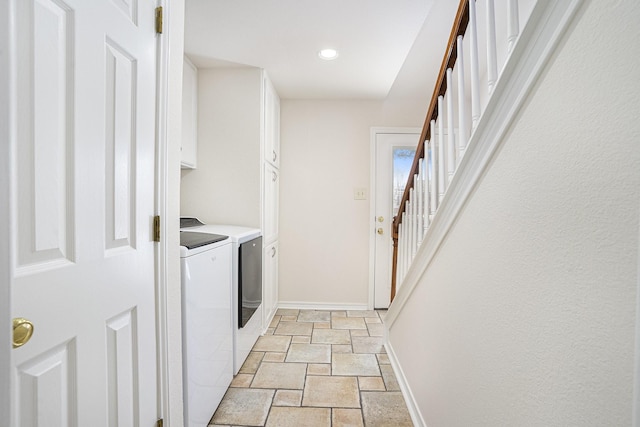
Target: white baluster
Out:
[475,68]
[434,172]
[400,261]
[451,137]
[513,23]
[442,166]
[414,221]
[492,57]
[405,221]
[432,180]
[407,235]
[425,193]
[427,187]
[420,202]
[414,234]
[462,105]
[409,229]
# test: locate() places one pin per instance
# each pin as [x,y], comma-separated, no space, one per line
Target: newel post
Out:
[394,263]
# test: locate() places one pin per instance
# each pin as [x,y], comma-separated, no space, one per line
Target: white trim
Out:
[5,252]
[410,400]
[161,208]
[544,30]
[635,418]
[321,305]
[375,131]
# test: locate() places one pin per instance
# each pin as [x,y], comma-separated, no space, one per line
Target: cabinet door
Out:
[271,200]
[270,288]
[271,124]
[189,146]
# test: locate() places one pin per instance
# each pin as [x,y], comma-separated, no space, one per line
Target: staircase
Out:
[513,286]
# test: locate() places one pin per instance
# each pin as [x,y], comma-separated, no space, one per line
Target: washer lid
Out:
[186,222]
[192,240]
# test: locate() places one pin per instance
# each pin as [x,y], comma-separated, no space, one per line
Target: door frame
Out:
[5,174]
[169,363]
[375,131]
[169,130]
[160,208]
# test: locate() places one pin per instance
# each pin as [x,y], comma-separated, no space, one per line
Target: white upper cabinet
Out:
[271,124]
[189,146]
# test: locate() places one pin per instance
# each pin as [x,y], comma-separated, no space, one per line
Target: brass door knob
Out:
[380,231]
[22,331]
[380,219]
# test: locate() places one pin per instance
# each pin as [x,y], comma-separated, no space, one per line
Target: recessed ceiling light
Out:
[328,54]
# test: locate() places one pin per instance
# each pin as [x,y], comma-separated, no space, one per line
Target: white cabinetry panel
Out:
[120,147]
[46,394]
[45,119]
[122,369]
[271,124]
[270,297]
[271,201]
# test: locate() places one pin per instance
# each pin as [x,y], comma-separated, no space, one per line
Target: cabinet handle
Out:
[275,156]
[275,176]
[273,252]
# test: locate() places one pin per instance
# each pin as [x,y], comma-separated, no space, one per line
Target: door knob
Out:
[22,331]
[380,231]
[380,219]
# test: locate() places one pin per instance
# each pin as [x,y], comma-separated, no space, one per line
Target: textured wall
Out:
[225,188]
[526,315]
[324,232]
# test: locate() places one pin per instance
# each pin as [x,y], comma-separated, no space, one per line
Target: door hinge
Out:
[159,19]
[156,228]
[160,423]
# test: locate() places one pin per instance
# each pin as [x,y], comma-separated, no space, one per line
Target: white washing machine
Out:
[207,334]
[247,282]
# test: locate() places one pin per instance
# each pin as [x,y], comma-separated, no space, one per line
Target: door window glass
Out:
[402,161]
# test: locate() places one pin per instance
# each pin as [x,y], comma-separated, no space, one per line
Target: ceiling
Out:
[373,37]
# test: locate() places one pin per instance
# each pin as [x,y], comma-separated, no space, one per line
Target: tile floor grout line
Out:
[367,388]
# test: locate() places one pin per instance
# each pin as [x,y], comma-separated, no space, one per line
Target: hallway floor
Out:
[316,368]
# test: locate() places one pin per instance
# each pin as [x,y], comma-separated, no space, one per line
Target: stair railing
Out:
[466,80]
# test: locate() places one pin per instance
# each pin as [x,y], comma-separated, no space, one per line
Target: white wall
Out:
[324,232]
[526,315]
[229,115]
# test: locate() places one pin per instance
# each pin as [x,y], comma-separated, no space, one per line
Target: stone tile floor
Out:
[316,368]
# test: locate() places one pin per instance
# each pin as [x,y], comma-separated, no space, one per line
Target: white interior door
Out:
[394,154]
[83,138]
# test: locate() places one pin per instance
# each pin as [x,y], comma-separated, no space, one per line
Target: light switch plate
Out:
[360,194]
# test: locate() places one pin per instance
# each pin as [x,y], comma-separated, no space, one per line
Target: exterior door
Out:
[394,154]
[82,180]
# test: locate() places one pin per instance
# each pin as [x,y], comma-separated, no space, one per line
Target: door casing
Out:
[5,272]
[375,131]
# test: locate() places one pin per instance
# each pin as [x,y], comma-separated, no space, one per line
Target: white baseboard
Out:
[321,305]
[412,406]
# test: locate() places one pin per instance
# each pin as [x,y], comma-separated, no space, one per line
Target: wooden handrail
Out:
[451,55]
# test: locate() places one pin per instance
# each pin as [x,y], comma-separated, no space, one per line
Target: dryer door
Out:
[249,280]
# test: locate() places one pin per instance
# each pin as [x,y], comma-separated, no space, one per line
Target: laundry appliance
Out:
[207,315]
[246,245]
